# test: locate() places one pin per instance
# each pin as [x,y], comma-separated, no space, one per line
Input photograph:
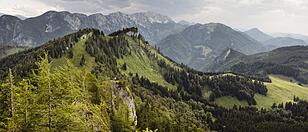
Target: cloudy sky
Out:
[269,15]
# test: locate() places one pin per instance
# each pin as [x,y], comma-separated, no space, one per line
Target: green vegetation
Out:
[138,62]
[54,101]
[78,51]
[281,91]
[229,102]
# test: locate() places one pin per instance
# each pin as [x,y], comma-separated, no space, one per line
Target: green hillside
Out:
[88,81]
[280,90]
[137,62]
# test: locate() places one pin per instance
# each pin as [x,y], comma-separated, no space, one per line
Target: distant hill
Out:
[278,40]
[258,35]
[287,61]
[291,35]
[283,42]
[199,44]
[50,25]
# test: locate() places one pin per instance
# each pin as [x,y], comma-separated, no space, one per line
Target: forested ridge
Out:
[88,81]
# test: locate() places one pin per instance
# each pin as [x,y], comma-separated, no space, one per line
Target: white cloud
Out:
[25,7]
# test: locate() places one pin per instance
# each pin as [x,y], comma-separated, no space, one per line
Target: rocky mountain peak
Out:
[52,24]
[258,35]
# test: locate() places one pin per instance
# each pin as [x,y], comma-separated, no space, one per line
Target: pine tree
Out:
[44,99]
[24,105]
[58,92]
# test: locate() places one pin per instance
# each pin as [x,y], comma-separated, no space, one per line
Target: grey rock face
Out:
[50,25]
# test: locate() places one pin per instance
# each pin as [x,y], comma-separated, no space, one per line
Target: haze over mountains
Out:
[278,40]
[37,30]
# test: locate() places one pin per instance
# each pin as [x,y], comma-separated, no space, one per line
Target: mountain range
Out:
[199,44]
[50,25]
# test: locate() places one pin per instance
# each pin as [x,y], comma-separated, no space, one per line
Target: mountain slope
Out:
[224,60]
[199,44]
[51,25]
[258,35]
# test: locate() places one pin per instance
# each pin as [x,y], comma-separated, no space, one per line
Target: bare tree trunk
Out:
[27,104]
[49,102]
[12,93]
